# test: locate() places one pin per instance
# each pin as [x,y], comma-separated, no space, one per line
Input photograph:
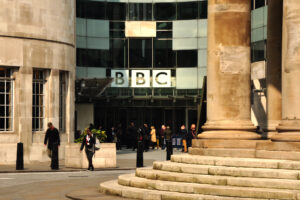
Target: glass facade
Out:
[180,45]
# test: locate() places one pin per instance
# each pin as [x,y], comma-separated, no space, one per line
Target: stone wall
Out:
[37,35]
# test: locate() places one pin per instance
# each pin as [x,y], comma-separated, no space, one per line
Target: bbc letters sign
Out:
[141,78]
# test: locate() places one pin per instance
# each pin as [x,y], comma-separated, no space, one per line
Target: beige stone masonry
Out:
[273,77]
[289,127]
[228,72]
[215,180]
[206,189]
[226,171]
[113,188]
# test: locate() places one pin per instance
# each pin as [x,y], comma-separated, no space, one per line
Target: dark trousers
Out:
[89,155]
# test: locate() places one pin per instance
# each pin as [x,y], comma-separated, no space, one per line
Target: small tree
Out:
[101,135]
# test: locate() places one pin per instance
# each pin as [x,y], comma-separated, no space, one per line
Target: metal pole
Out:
[20,160]
[139,154]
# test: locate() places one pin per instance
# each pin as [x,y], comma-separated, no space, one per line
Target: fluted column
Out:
[228,71]
[273,76]
[289,127]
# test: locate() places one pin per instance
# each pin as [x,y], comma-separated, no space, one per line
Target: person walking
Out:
[184,136]
[191,135]
[168,135]
[51,137]
[88,143]
[153,137]
[162,136]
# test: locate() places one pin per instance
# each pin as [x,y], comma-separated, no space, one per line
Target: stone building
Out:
[37,74]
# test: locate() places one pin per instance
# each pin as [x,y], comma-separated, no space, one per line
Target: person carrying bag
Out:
[88,143]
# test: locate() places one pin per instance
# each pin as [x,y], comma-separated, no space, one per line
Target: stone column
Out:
[228,71]
[23,118]
[53,96]
[70,107]
[273,75]
[289,127]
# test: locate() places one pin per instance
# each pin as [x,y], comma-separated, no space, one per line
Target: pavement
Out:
[68,183]
[126,160]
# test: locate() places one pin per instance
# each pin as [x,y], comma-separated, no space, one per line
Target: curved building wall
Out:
[37,73]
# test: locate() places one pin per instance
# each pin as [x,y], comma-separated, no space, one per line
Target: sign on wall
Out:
[121,78]
[161,78]
[140,29]
[141,78]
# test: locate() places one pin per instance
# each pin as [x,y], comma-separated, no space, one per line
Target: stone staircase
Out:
[195,177]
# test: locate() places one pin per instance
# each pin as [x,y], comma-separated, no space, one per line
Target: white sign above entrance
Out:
[141,78]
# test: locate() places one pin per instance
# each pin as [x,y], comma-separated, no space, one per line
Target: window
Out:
[80,8]
[38,107]
[258,51]
[92,57]
[6,99]
[116,11]
[202,9]
[187,58]
[95,10]
[140,11]
[118,52]
[140,53]
[260,3]
[164,56]
[187,10]
[62,101]
[165,11]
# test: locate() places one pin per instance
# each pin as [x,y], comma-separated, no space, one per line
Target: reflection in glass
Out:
[140,53]
[187,58]
[164,25]
[116,11]
[164,56]
[140,11]
[164,11]
[259,3]
[202,9]
[187,10]
[118,52]
[258,51]
[164,34]
[95,10]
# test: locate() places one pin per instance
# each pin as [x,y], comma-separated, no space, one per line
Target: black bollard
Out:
[169,149]
[20,160]
[54,157]
[139,155]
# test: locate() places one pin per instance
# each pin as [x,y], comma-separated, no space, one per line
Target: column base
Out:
[270,129]
[288,130]
[229,130]
[229,135]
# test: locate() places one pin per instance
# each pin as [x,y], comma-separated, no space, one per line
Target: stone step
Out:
[113,188]
[149,173]
[236,162]
[226,171]
[206,189]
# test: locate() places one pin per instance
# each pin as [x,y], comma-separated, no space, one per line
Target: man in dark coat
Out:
[133,136]
[52,137]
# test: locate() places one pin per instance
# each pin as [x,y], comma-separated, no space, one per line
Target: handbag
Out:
[97,145]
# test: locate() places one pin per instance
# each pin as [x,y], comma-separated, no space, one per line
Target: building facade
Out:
[37,74]
[156,53]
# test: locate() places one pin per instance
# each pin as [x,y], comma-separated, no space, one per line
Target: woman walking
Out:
[153,137]
[88,143]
